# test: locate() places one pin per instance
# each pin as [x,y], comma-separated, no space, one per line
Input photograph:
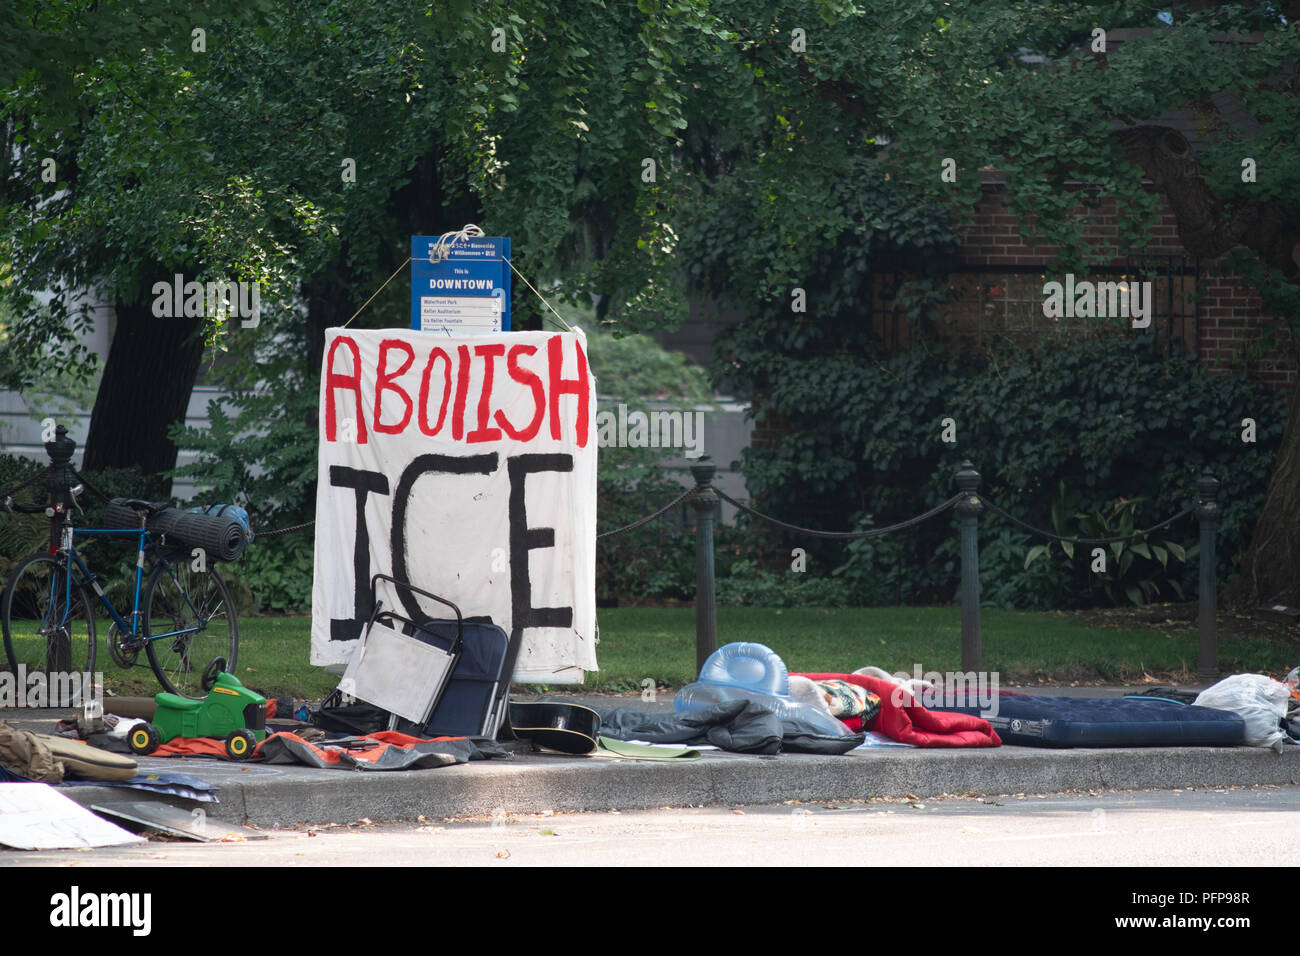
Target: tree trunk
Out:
[421,207]
[148,377]
[1209,227]
[329,304]
[1270,572]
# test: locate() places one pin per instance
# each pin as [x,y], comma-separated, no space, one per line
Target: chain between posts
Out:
[1206,511]
[1056,537]
[705,498]
[968,504]
[91,488]
[279,531]
[26,483]
[869,533]
[684,496]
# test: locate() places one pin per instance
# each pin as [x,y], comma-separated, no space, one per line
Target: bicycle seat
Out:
[144,507]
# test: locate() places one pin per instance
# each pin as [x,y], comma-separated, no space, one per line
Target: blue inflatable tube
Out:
[753,672]
[754,667]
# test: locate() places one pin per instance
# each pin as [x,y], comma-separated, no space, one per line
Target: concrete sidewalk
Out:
[527,782]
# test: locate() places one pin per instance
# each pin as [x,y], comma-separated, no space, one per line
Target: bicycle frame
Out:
[144,538]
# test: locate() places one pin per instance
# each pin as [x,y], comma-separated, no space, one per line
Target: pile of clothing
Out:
[746,701]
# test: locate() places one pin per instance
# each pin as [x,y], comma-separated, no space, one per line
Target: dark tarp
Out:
[385,750]
[743,726]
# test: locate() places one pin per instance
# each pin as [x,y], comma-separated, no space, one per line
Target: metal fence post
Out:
[968,511]
[706,608]
[59,482]
[1207,513]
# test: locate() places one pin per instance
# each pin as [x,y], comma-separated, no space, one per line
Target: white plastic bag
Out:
[1261,702]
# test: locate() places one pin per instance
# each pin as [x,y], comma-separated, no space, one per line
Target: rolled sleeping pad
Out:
[222,536]
[141,708]
[229,511]
[118,515]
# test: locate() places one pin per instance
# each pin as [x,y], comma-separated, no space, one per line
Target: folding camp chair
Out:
[399,666]
[473,702]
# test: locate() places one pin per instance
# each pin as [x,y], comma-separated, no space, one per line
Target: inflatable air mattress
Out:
[1108,722]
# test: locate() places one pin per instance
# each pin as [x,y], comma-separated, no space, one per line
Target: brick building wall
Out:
[1199,304]
[768,431]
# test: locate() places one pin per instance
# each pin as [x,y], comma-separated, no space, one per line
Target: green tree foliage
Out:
[752,147]
[229,161]
[1107,418]
[881,101]
[297,146]
[657,559]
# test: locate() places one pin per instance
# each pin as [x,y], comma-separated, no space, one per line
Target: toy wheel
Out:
[143,739]
[211,672]
[240,744]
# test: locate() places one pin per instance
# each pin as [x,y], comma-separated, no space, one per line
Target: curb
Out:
[269,796]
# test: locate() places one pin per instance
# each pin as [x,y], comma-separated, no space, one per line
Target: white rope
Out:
[442,247]
[564,324]
[470,231]
[377,291]
[441,250]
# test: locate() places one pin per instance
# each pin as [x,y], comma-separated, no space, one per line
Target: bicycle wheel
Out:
[48,630]
[177,598]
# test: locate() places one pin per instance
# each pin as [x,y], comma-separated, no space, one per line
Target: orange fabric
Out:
[191,747]
[402,740]
[386,739]
[328,756]
[214,747]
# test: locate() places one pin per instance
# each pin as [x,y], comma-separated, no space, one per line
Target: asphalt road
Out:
[1245,826]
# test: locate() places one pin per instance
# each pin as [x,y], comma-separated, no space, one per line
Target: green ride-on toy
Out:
[230,710]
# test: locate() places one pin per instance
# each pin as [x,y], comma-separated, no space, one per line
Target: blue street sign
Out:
[466,291]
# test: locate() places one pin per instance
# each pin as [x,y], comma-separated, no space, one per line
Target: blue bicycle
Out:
[182,616]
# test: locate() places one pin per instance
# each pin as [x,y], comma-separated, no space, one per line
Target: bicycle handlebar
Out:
[14,508]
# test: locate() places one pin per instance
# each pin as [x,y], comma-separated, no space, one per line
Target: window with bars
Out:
[988,305]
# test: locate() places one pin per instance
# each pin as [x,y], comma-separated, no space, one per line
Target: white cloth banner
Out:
[467,467]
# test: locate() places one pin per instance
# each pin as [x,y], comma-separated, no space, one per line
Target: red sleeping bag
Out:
[902,718]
